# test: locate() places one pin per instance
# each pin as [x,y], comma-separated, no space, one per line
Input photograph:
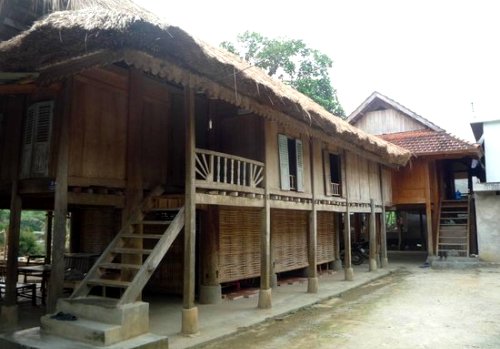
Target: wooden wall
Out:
[387,121]
[409,183]
[363,179]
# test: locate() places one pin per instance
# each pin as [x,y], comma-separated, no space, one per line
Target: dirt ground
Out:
[416,308]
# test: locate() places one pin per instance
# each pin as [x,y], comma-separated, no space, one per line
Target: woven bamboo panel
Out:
[289,239]
[239,243]
[168,277]
[326,237]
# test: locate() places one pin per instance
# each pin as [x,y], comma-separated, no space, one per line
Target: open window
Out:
[333,174]
[37,133]
[291,163]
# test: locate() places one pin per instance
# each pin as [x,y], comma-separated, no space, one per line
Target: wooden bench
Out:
[23,291]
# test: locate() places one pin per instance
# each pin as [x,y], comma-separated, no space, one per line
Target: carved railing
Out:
[335,189]
[221,171]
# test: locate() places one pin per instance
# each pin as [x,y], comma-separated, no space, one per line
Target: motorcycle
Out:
[359,252]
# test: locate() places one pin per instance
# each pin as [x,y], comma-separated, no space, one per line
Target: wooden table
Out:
[43,270]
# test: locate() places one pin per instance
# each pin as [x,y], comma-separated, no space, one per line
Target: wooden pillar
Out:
[265,294]
[337,263]
[384,263]
[428,213]
[210,289]
[189,311]
[373,237]
[56,283]
[349,272]
[48,236]
[312,280]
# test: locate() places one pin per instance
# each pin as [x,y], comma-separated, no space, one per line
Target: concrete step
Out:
[82,330]
[33,338]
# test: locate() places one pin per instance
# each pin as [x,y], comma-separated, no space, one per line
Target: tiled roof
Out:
[429,142]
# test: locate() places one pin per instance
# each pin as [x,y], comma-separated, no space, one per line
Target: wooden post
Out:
[210,288]
[265,294]
[56,283]
[373,237]
[48,236]
[312,280]
[428,213]
[9,309]
[337,263]
[134,188]
[189,311]
[349,272]
[383,226]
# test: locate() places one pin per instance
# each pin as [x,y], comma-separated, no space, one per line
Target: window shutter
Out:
[327,172]
[300,165]
[284,165]
[27,143]
[42,136]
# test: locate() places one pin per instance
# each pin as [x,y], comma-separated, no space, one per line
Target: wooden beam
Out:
[56,283]
[312,282]
[348,271]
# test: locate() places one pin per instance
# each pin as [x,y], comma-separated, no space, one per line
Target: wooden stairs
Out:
[454,228]
[128,262]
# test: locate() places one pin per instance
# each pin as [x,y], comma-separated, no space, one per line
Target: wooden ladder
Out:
[110,271]
[453,228]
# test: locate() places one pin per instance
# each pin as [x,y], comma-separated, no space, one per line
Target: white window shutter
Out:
[27,149]
[284,164]
[41,139]
[300,165]
[327,172]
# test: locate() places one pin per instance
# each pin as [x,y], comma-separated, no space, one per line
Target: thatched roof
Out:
[138,38]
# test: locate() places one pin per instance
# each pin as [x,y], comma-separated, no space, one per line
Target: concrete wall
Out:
[488,227]
[492,149]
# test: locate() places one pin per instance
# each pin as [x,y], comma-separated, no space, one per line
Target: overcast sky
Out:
[434,57]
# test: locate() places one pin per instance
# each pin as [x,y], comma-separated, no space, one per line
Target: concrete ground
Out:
[411,308]
[233,316]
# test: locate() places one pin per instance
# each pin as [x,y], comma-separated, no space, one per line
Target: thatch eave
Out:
[65,36]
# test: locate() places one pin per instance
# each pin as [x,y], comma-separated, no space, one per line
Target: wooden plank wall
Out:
[409,183]
[387,121]
[363,176]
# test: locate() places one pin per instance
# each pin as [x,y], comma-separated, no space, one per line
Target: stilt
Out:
[48,236]
[210,289]
[383,231]
[349,272]
[373,238]
[312,272]
[189,311]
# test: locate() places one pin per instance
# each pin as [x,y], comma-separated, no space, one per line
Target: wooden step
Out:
[156,209]
[125,250]
[109,283]
[153,223]
[453,224]
[142,236]
[452,244]
[120,266]
[454,212]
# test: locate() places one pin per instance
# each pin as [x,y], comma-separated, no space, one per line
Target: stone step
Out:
[82,330]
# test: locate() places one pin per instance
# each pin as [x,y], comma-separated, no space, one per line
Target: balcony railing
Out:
[335,189]
[221,171]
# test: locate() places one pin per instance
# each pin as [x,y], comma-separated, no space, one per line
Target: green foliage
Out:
[291,61]
[28,244]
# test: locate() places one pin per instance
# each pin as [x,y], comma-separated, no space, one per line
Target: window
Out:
[291,163]
[333,174]
[36,140]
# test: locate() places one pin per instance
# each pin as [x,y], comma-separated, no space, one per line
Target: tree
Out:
[291,61]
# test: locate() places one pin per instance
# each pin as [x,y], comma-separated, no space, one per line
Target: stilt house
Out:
[185,168]
[430,183]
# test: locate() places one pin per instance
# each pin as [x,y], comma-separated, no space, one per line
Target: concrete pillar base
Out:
[385,262]
[9,315]
[274,280]
[210,294]
[349,274]
[312,285]
[373,264]
[265,299]
[337,265]
[189,321]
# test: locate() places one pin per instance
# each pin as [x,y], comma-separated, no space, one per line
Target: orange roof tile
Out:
[430,142]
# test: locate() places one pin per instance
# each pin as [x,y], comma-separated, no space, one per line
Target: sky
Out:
[439,58]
